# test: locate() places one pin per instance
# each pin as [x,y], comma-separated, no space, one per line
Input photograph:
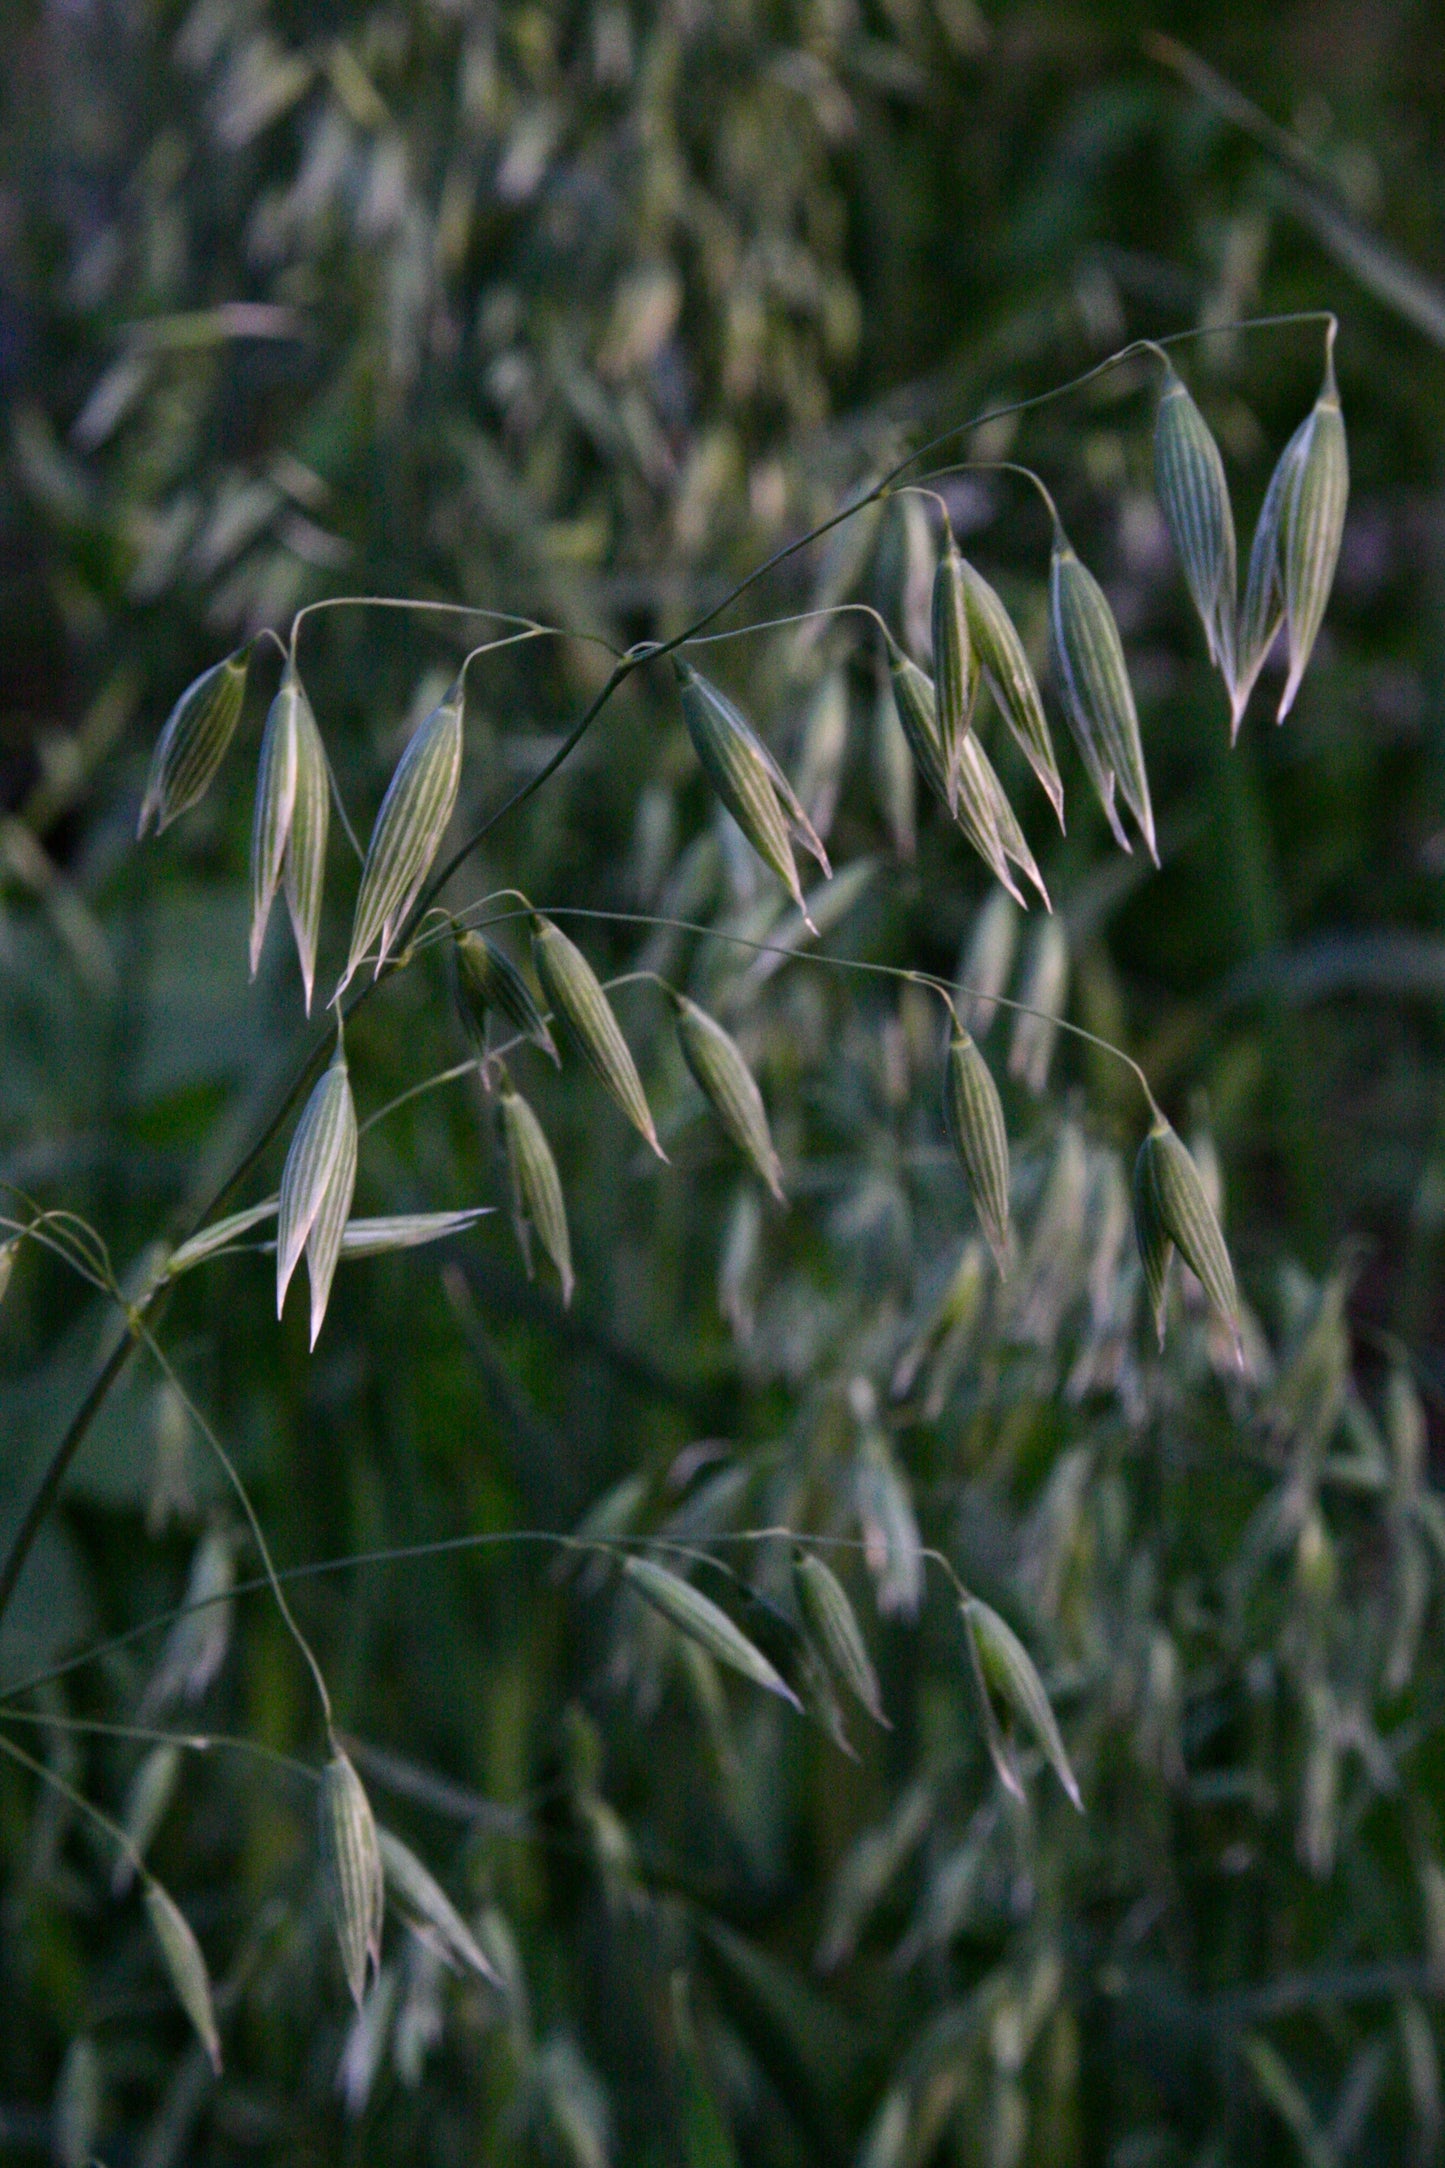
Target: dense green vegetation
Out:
[586,313]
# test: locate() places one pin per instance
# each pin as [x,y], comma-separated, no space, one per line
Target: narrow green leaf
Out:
[833,1622]
[705,1622]
[408,831]
[1006,1674]
[537,1200]
[974,1115]
[351,1871]
[193,743]
[415,1888]
[729,1087]
[1010,679]
[187,1968]
[584,1013]
[488,979]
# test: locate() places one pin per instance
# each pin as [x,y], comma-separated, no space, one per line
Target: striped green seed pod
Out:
[585,1017]
[193,743]
[275,803]
[743,776]
[955,669]
[186,1966]
[537,1201]
[317,1183]
[1009,677]
[488,979]
[973,806]
[1012,840]
[1262,611]
[833,1623]
[408,831]
[729,1087]
[304,866]
[1007,1678]
[1172,1211]
[974,1117]
[351,1871]
[1194,498]
[1314,522]
[1094,680]
[706,1623]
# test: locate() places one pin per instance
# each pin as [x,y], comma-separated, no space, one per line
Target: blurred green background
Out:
[581,312]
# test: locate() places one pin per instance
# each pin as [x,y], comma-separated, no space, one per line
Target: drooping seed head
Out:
[421,1894]
[488,979]
[1262,611]
[973,803]
[832,1621]
[186,1966]
[1314,522]
[955,669]
[1009,1684]
[745,776]
[729,1087]
[351,1871]
[1194,498]
[1009,676]
[304,866]
[317,1182]
[1094,682]
[706,1623]
[275,803]
[193,743]
[974,1118]
[1172,1211]
[408,831]
[584,1015]
[537,1200]
[975,762]
[892,1546]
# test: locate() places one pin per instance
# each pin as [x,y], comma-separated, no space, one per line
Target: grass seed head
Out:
[537,1200]
[584,1014]
[275,803]
[1009,676]
[974,1117]
[317,1182]
[304,865]
[1262,610]
[729,1087]
[1044,991]
[1172,1206]
[1194,498]
[987,959]
[1094,682]
[351,1871]
[408,831]
[1314,521]
[182,1957]
[1009,1683]
[705,1622]
[488,979]
[833,1623]
[743,775]
[193,743]
[955,666]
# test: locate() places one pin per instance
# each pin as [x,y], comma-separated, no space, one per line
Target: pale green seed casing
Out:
[1006,671]
[955,673]
[351,1871]
[1193,495]
[275,803]
[186,1967]
[1094,681]
[1262,610]
[1006,1673]
[973,1114]
[973,806]
[1314,522]
[729,1087]
[735,765]
[1171,1207]
[317,1183]
[537,1200]
[705,1622]
[833,1623]
[193,743]
[488,979]
[584,1015]
[408,830]
[987,959]
[304,867]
